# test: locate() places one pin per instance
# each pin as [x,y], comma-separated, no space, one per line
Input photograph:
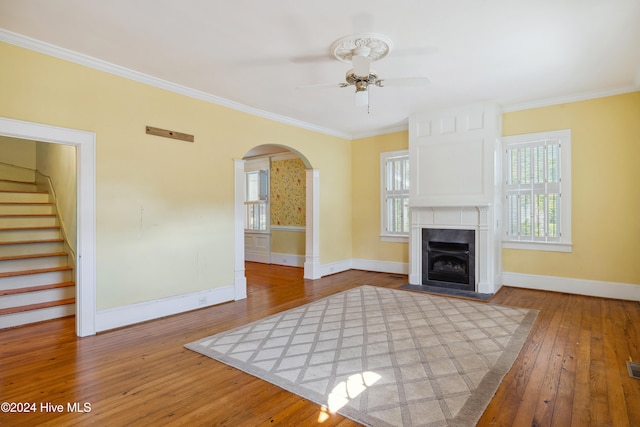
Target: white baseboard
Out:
[290,260]
[364,264]
[118,317]
[593,288]
[380,266]
[263,257]
[335,267]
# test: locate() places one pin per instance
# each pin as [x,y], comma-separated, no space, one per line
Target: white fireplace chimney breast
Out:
[453,156]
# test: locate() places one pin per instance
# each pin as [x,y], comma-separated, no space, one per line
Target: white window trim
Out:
[254,165]
[385,236]
[565,243]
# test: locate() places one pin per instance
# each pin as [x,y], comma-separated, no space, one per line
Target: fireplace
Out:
[448,258]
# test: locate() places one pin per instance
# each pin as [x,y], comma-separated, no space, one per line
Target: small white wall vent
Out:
[634,369]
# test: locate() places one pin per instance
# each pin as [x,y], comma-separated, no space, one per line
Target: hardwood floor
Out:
[570,372]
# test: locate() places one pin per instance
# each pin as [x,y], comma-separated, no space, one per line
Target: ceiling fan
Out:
[361,50]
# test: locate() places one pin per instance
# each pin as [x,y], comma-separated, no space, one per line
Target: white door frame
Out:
[85,143]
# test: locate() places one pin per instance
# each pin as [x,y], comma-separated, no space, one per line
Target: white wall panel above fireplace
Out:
[452,156]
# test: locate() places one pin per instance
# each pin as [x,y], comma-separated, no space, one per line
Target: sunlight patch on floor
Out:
[345,391]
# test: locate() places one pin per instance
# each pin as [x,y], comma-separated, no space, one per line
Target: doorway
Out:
[86,210]
[311,263]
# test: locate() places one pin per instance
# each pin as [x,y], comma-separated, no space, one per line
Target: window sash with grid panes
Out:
[256,200]
[395,193]
[535,188]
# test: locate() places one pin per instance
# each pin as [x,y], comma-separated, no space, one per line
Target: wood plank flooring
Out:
[570,372]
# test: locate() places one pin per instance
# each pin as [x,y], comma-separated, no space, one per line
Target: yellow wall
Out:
[18,152]
[58,162]
[165,207]
[365,178]
[288,242]
[605,186]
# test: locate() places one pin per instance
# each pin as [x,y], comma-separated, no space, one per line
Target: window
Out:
[537,190]
[256,200]
[395,195]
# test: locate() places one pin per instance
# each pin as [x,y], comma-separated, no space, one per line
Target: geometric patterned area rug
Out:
[383,357]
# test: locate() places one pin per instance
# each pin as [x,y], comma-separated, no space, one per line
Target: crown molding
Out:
[107,67]
[379,132]
[584,96]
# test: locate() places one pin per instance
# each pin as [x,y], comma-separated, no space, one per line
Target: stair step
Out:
[35,190]
[33,316]
[28,220]
[7,184]
[22,208]
[17,173]
[30,242]
[12,234]
[24,196]
[30,307]
[31,256]
[22,262]
[15,181]
[36,288]
[47,227]
[34,247]
[18,299]
[35,271]
[35,277]
[26,215]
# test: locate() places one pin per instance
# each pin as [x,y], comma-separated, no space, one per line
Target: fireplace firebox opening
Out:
[448,258]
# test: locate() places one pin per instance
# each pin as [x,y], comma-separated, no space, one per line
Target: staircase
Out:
[36,281]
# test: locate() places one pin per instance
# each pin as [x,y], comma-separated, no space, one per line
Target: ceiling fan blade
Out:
[361,65]
[322,86]
[406,81]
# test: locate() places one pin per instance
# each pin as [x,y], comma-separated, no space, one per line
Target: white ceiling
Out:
[256,53]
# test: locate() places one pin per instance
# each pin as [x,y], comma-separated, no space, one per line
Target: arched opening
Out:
[287,226]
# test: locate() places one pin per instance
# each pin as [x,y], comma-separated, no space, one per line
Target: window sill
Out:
[538,246]
[394,238]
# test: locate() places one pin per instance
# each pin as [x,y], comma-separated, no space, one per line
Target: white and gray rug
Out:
[383,357]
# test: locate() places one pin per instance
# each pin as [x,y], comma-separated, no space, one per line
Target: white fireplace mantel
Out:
[477,218]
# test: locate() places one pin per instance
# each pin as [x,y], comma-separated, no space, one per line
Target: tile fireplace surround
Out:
[477,218]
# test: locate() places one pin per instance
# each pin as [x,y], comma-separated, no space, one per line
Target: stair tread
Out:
[25,203]
[13,181]
[29,242]
[30,307]
[26,214]
[24,191]
[36,288]
[49,227]
[31,256]
[35,271]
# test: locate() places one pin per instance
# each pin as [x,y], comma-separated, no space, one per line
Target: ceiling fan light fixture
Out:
[362,98]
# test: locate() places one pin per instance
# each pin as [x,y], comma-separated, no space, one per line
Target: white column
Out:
[239,279]
[312,244]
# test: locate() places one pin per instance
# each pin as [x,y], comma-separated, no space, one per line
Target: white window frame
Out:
[563,242]
[386,235]
[261,166]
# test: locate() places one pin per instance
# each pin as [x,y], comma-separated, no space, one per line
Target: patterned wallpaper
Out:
[288,192]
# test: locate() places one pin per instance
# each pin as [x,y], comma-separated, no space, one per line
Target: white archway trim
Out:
[239,279]
[312,258]
[85,143]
